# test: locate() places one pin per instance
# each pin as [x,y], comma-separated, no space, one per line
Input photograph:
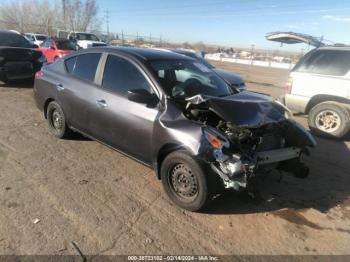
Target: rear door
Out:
[123,124]
[324,71]
[76,88]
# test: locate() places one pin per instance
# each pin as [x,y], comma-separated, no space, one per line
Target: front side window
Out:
[47,44]
[83,66]
[188,78]
[120,76]
[326,62]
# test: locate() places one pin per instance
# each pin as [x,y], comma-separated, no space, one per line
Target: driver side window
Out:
[120,76]
[47,44]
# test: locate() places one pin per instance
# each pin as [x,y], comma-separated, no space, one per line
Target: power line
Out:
[263,6]
[252,12]
[179,6]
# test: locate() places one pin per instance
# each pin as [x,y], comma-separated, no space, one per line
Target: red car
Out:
[54,48]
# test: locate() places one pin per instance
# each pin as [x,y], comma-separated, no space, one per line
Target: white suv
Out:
[319,85]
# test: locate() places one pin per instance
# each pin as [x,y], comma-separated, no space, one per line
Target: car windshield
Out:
[14,40]
[205,62]
[84,36]
[185,78]
[41,37]
[66,45]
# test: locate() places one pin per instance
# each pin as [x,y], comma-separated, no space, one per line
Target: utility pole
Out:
[107,22]
[160,41]
[252,54]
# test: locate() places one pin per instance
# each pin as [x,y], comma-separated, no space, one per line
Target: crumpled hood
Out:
[247,109]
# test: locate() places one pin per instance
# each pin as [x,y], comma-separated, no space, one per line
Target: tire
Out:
[329,119]
[57,121]
[3,79]
[186,181]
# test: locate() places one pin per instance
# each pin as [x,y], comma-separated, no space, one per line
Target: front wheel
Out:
[329,119]
[186,182]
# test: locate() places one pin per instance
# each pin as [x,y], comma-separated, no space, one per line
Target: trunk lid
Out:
[294,38]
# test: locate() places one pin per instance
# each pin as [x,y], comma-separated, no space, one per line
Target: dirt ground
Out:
[53,192]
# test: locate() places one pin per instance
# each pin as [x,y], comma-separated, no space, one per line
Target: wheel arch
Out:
[317,99]
[46,104]
[163,152]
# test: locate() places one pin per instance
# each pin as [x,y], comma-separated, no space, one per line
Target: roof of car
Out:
[142,53]
[8,32]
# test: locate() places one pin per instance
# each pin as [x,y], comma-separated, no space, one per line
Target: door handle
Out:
[101,103]
[59,87]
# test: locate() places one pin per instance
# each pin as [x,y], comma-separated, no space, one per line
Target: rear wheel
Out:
[330,119]
[57,121]
[186,182]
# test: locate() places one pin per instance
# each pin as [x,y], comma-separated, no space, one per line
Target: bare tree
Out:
[46,16]
[80,15]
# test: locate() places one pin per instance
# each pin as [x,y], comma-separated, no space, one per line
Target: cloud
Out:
[337,18]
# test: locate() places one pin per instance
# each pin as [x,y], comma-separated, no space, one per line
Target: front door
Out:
[123,124]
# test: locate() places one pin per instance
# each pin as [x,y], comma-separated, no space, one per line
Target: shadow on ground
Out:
[18,84]
[326,187]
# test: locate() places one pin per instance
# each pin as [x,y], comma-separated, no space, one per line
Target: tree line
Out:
[47,16]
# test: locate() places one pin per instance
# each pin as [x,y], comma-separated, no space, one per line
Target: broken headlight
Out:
[215,139]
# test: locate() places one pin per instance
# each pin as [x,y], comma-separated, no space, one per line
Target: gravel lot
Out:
[55,191]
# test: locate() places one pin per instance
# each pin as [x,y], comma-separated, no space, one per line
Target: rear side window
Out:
[326,62]
[83,66]
[120,76]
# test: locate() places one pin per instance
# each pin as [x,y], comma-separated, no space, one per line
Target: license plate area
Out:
[278,155]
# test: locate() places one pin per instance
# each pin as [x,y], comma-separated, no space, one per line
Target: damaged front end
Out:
[245,135]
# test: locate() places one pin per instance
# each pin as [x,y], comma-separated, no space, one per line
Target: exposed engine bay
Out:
[249,134]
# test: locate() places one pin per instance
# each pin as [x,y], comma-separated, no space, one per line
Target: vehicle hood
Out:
[231,78]
[247,109]
[19,54]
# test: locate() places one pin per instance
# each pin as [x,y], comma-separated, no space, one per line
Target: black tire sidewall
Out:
[204,186]
[50,109]
[342,111]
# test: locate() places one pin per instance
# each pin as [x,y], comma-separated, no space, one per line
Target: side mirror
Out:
[35,46]
[52,47]
[142,96]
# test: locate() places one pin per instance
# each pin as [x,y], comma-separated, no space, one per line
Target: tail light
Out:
[39,74]
[289,86]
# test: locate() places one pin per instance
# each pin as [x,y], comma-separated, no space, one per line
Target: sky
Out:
[237,23]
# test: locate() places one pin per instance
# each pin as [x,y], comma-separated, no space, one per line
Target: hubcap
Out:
[57,120]
[328,121]
[183,182]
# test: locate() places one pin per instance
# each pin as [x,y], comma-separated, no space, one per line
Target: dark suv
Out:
[174,114]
